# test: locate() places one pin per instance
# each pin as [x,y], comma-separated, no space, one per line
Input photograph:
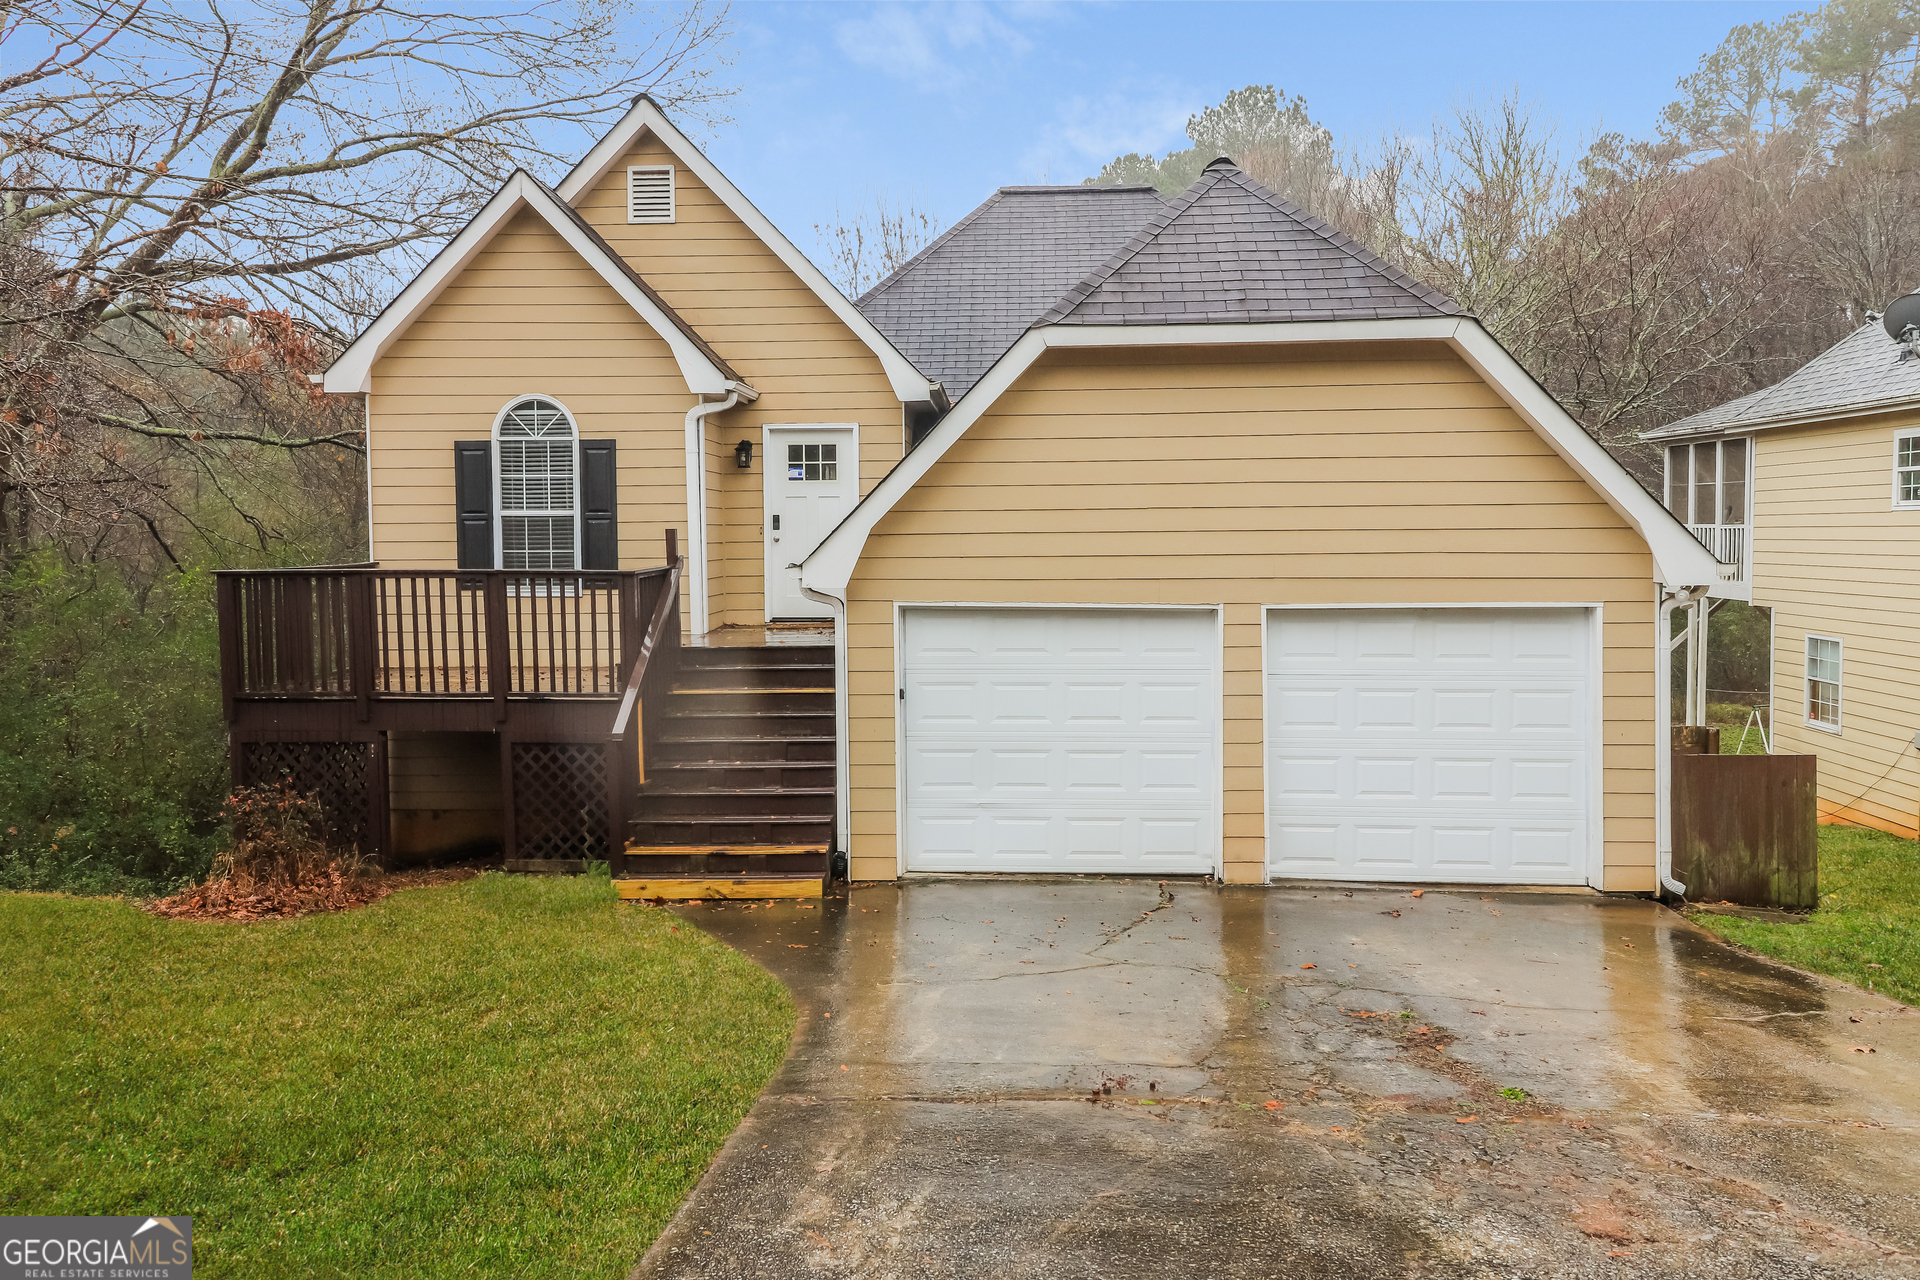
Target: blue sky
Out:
[941,103]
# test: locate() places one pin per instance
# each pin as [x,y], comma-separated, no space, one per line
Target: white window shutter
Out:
[650,193]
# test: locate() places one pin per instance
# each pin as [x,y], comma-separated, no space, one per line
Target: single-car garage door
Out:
[1071,740]
[1429,744]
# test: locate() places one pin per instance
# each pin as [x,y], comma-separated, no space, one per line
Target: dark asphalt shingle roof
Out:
[1861,373]
[1229,251]
[958,304]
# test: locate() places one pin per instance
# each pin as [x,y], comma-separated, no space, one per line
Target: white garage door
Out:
[1074,740]
[1429,744]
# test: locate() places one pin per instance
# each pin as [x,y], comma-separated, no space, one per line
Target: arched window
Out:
[539,511]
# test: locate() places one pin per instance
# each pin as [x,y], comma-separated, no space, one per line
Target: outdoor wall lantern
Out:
[743,454]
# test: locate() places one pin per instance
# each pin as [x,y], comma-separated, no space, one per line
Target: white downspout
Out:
[695,576]
[1664,642]
[842,734]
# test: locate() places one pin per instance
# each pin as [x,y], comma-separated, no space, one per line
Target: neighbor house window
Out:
[1823,682]
[1707,482]
[538,460]
[1906,471]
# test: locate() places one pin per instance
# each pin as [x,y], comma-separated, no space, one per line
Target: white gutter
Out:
[696,575]
[1680,598]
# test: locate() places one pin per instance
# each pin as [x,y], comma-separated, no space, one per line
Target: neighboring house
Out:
[1159,537]
[1813,486]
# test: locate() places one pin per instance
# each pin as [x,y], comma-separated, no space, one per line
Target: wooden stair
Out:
[739,797]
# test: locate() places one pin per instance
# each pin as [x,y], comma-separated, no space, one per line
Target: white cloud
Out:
[935,45]
[1085,133]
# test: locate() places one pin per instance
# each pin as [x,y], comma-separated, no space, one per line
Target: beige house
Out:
[1110,535]
[1812,488]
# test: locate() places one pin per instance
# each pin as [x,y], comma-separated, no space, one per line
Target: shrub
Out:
[112,750]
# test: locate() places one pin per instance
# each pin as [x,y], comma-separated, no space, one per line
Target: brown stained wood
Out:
[1744,830]
[699,850]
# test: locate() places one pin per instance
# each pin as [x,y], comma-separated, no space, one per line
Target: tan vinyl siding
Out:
[1242,478]
[527,316]
[781,338]
[445,794]
[1834,557]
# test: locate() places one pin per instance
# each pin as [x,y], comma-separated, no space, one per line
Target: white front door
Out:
[1060,740]
[812,482]
[1430,744]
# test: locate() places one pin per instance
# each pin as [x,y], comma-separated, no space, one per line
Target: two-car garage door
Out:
[1445,744]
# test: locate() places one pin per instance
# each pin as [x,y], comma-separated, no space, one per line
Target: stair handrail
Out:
[663,616]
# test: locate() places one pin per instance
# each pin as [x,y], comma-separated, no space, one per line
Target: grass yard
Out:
[506,1077]
[1867,927]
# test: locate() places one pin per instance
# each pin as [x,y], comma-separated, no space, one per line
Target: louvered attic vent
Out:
[650,193]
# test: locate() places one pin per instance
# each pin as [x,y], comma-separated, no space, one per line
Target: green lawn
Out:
[507,1077]
[1867,927]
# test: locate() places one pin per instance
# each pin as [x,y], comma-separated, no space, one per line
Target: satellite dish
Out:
[1903,313]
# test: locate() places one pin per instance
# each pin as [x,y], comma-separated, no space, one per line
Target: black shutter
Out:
[599,524]
[473,502]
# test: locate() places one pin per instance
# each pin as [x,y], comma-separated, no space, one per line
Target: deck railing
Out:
[361,632]
[1728,542]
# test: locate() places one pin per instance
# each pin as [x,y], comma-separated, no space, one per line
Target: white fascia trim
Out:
[908,383]
[1678,557]
[353,371]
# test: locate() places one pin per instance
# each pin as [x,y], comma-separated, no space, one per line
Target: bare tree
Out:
[866,246]
[201,201]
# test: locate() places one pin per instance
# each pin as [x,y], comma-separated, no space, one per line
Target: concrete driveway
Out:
[1110,1079]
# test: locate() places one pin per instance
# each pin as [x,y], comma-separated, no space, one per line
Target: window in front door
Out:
[813,462]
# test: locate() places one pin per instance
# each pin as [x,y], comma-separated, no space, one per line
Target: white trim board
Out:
[1678,557]
[908,383]
[353,371]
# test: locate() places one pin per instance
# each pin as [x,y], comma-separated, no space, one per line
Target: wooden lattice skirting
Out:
[560,800]
[336,772]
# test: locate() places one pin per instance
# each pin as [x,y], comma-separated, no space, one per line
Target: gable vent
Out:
[650,193]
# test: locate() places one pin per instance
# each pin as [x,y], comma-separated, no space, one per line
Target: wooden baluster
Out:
[359,649]
[499,647]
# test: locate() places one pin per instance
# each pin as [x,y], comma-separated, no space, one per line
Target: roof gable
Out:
[1229,251]
[1679,558]
[706,373]
[955,306]
[1864,372]
[645,117]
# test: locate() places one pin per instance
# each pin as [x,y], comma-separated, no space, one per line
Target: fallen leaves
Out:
[1419,893]
[801,946]
[1465,1119]
[1307,966]
[1395,913]
[1862,1048]
[1273,1105]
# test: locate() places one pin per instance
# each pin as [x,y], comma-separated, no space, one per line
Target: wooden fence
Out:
[1744,830]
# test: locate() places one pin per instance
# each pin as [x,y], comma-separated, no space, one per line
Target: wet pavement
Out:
[1111,1079]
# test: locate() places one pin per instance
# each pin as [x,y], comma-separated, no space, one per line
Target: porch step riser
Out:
[735,776]
[731,832]
[749,701]
[771,655]
[727,804]
[727,724]
[726,864]
[798,675]
[743,751]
